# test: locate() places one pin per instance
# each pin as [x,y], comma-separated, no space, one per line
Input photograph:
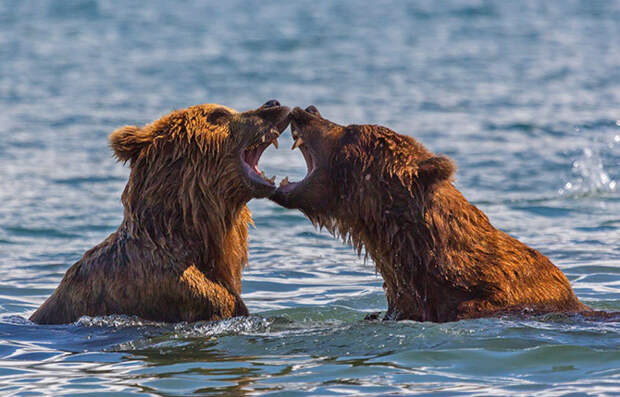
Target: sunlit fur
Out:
[440,257]
[180,250]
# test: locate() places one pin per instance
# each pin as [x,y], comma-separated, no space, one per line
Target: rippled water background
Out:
[525,96]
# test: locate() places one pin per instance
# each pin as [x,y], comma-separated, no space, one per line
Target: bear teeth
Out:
[275,142]
[270,180]
[298,142]
[284,181]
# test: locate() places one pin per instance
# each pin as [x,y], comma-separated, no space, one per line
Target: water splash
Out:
[236,325]
[116,321]
[588,171]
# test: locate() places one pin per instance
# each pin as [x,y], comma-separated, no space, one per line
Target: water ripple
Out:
[523,95]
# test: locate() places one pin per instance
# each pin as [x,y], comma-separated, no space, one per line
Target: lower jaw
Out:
[289,187]
[263,192]
[284,195]
[260,187]
[286,189]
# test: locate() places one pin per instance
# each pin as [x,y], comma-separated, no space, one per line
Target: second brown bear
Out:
[440,257]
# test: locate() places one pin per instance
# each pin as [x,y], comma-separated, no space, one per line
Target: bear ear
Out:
[219,116]
[128,141]
[435,170]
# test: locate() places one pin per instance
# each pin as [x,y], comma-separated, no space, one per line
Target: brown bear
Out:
[180,250]
[440,257]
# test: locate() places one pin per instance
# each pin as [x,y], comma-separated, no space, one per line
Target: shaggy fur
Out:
[180,250]
[440,257]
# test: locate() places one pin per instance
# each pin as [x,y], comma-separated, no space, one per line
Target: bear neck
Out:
[188,216]
[382,218]
[385,216]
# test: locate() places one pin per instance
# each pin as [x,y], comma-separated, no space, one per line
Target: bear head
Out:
[206,146]
[345,163]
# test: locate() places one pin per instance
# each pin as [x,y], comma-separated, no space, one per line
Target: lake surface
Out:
[525,96]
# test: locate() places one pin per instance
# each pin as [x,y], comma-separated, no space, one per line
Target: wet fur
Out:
[440,257]
[179,253]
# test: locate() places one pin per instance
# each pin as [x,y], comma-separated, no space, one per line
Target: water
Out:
[525,96]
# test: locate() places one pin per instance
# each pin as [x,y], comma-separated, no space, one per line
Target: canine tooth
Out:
[284,181]
[297,143]
[262,139]
[275,142]
[272,179]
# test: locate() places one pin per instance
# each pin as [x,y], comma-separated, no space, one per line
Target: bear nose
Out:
[312,109]
[271,103]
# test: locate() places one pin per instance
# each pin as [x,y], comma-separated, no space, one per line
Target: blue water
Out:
[525,96]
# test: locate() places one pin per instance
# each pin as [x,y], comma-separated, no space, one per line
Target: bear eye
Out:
[218,116]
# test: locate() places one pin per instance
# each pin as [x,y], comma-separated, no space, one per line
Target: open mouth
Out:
[286,185]
[251,155]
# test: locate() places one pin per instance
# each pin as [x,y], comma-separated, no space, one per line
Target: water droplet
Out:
[604,179]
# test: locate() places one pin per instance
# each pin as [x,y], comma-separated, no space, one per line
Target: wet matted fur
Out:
[179,253]
[440,257]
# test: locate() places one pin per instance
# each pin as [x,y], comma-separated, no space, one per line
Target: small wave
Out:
[140,334]
[236,326]
[175,336]
[252,325]
[117,321]
[15,320]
